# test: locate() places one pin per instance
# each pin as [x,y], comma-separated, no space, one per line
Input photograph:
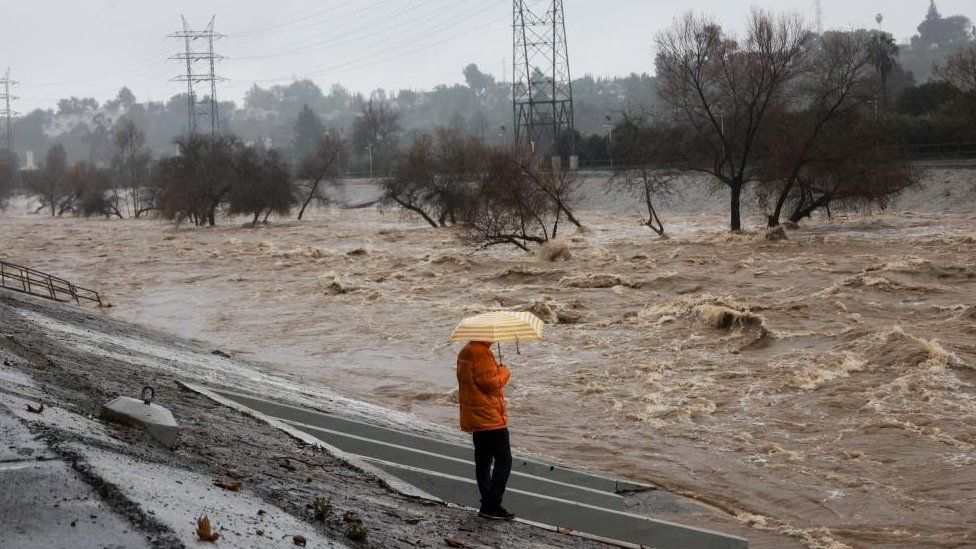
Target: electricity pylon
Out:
[542,91]
[199,49]
[818,7]
[6,97]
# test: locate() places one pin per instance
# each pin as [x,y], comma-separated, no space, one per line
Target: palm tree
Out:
[882,52]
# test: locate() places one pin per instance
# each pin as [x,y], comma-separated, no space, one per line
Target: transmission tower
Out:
[818,9]
[542,93]
[5,96]
[200,62]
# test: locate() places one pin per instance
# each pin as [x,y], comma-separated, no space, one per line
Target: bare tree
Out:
[833,92]
[377,128]
[639,145]
[723,88]
[91,192]
[960,69]
[858,164]
[50,182]
[509,209]
[8,178]
[319,166]
[560,185]
[132,164]
[434,176]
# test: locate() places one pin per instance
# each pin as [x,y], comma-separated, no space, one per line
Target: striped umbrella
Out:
[499,327]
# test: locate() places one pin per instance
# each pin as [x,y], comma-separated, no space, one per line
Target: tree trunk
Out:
[773,218]
[653,221]
[735,185]
[416,210]
[308,199]
[569,215]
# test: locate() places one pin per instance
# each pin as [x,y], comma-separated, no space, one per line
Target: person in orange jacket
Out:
[485,416]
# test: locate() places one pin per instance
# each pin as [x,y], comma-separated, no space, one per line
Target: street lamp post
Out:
[609,126]
[370,149]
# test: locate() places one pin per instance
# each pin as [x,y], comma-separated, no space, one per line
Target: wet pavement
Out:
[44,503]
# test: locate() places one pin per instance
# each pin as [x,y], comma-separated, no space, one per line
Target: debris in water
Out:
[554,250]
[726,318]
[775,234]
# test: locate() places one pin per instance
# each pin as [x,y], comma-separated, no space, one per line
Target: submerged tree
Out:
[517,203]
[860,165]
[262,186]
[91,192]
[49,183]
[832,94]
[641,148]
[198,181]
[508,209]
[723,88]
[319,167]
[434,175]
[132,164]
[8,178]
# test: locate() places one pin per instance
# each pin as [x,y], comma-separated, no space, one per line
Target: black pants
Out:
[492,446]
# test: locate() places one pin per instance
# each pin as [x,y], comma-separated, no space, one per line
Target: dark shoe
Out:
[497,513]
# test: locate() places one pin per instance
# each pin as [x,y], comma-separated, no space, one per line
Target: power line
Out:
[207,106]
[353,35]
[382,56]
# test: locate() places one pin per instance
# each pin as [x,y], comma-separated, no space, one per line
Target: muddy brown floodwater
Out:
[821,386]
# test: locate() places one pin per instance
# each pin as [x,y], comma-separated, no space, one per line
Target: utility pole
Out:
[5,96]
[199,49]
[542,91]
[369,148]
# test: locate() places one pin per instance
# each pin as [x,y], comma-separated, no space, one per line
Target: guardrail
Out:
[27,280]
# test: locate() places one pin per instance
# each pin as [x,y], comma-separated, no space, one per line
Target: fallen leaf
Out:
[259,532]
[36,409]
[454,543]
[299,539]
[284,463]
[204,531]
[227,485]
[564,531]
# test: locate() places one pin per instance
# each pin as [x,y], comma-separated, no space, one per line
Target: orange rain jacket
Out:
[480,382]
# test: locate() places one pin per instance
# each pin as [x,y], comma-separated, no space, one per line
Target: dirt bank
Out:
[216,443]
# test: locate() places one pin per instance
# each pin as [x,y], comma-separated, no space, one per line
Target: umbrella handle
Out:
[517,351]
[498,345]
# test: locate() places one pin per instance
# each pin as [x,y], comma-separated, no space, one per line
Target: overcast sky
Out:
[57,48]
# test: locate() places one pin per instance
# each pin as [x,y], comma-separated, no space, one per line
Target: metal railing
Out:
[27,280]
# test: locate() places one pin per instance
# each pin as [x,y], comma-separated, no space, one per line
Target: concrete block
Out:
[157,420]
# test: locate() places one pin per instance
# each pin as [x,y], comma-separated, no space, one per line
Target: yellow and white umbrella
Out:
[499,327]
